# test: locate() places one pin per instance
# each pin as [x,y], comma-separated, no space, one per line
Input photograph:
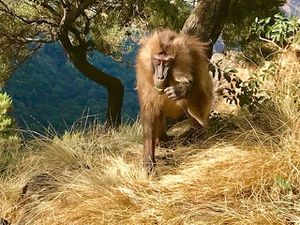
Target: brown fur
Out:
[191,67]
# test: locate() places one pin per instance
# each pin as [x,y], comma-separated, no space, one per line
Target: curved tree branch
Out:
[78,56]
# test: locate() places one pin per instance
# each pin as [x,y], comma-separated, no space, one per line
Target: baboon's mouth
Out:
[159,90]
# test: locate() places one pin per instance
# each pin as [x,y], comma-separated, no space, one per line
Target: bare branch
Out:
[82,7]
[38,40]
[2,3]
[74,14]
[87,23]
[270,41]
[64,3]
[50,9]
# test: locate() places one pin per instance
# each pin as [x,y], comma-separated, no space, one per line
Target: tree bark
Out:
[207,21]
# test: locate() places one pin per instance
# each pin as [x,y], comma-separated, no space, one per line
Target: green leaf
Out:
[230,70]
[267,20]
[284,184]
[227,77]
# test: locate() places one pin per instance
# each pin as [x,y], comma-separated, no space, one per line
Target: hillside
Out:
[48,91]
[244,170]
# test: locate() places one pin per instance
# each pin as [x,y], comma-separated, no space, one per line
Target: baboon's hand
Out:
[172,93]
[178,91]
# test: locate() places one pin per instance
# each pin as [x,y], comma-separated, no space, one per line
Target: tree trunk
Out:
[207,21]
[114,86]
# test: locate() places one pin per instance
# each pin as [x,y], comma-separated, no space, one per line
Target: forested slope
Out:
[48,90]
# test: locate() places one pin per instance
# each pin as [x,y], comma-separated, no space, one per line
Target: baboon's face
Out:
[163,66]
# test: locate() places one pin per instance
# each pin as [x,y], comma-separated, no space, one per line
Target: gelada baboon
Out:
[172,80]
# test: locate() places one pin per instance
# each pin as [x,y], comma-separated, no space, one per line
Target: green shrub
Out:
[9,140]
[279,29]
[249,93]
[279,32]
[6,122]
[269,36]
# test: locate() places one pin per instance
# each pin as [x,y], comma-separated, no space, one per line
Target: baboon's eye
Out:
[157,61]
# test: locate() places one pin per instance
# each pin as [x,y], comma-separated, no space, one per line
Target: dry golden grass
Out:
[245,171]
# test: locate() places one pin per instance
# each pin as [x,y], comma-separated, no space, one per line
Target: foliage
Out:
[9,140]
[279,29]
[248,93]
[14,43]
[269,36]
[4,70]
[236,33]
[171,14]
[6,122]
